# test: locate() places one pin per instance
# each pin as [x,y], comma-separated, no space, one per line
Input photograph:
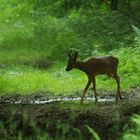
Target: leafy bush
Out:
[132,131]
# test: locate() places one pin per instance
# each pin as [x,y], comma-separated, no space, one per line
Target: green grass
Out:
[26,80]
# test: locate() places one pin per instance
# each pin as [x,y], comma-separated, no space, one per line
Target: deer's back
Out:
[102,65]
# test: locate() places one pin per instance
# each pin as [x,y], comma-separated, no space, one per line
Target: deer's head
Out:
[71,60]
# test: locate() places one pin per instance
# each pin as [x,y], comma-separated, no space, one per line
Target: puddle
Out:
[72,99]
[43,99]
[51,100]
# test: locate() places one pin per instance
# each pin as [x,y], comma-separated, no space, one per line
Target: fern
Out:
[94,134]
[136,30]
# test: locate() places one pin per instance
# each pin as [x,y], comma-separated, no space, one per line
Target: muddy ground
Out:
[107,118]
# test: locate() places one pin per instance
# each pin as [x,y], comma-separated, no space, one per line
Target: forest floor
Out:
[106,118]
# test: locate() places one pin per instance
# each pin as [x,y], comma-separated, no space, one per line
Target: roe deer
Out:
[95,66]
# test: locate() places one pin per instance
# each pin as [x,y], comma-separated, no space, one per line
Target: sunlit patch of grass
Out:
[27,81]
[31,81]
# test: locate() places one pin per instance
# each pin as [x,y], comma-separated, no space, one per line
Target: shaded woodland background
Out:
[56,25]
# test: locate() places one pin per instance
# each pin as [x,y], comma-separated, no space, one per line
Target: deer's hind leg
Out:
[94,89]
[118,95]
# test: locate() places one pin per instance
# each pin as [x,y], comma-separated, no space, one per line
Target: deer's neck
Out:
[81,66]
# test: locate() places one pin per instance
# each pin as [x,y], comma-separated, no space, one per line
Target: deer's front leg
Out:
[85,90]
[94,89]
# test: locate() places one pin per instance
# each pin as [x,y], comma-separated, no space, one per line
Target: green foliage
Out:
[132,131]
[35,25]
[94,134]
[24,128]
[136,30]
[20,127]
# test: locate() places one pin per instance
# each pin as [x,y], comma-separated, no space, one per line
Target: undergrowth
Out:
[23,128]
